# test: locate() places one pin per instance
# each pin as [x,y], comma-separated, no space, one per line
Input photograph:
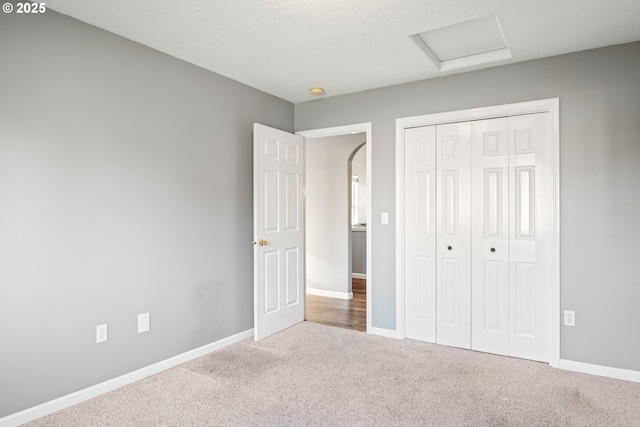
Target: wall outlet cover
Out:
[101,333]
[569,318]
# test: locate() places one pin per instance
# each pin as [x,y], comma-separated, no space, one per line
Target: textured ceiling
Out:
[285,47]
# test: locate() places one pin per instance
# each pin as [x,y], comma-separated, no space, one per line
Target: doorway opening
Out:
[337,204]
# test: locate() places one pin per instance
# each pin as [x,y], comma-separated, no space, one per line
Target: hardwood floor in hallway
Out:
[348,314]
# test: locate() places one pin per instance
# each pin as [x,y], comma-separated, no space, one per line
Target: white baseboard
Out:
[96,390]
[358,276]
[388,333]
[330,294]
[603,371]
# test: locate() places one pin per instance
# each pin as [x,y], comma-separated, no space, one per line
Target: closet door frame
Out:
[548,165]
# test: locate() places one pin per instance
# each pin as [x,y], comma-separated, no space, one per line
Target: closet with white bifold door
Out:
[474,248]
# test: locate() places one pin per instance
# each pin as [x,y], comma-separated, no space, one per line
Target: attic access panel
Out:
[464,44]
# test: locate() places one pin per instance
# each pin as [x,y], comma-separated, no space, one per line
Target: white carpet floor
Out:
[315,375]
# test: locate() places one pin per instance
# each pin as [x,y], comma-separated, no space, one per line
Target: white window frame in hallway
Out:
[355,208]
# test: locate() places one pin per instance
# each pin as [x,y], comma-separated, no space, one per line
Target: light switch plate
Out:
[384,218]
[143,322]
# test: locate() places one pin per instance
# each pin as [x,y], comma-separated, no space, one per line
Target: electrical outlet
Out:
[143,322]
[101,333]
[569,318]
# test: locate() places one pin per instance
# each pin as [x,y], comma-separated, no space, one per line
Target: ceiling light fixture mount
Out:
[317,91]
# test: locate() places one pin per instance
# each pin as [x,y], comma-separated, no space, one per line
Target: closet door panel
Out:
[528,317]
[420,233]
[490,235]
[453,235]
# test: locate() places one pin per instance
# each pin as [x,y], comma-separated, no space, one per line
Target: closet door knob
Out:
[493,249]
[449,247]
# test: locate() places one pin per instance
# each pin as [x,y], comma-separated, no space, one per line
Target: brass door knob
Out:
[262,242]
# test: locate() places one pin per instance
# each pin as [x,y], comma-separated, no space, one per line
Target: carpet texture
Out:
[315,375]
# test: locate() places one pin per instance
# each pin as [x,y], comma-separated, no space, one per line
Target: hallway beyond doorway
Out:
[348,314]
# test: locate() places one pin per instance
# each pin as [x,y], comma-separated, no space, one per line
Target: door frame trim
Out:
[345,130]
[550,222]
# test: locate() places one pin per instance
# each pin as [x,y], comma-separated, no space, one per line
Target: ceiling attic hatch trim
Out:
[465,44]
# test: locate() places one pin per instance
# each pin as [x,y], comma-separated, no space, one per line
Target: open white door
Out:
[278,229]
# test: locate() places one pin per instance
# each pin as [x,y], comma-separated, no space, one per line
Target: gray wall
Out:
[599,93]
[125,187]
[359,251]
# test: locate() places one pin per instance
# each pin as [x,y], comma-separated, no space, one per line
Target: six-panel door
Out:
[278,230]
